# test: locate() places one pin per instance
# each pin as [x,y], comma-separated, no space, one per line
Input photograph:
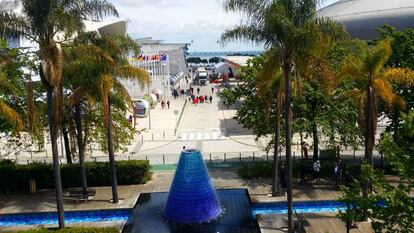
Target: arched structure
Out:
[361,18]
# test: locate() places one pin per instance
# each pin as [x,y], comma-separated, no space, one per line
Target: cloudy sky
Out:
[200,21]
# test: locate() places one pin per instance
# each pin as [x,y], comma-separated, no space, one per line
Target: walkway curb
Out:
[181,116]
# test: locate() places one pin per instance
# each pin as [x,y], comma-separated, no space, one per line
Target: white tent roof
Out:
[221,68]
[362,17]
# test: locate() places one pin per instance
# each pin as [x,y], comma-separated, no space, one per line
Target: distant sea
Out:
[208,55]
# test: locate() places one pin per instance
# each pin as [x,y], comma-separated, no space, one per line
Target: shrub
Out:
[263,170]
[15,177]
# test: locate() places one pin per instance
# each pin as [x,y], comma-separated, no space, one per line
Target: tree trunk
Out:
[112,156]
[368,137]
[51,76]
[315,142]
[369,143]
[56,165]
[276,184]
[287,66]
[67,146]
[81,149]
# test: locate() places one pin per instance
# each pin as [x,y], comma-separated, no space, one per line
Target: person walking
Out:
[211,99]
[168,104]
[212,90]
[316,169]
[162,104]
[198,91]
[338,172]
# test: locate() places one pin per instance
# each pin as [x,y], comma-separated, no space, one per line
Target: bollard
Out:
[253,156]
[240,156]
[225,159]
[210,157]
[163,159]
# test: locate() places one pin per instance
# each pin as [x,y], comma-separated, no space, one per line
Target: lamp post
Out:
[149,109]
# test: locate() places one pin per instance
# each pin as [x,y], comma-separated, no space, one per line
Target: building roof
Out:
[237,61]
[107,28]
[361,18]
[151,41]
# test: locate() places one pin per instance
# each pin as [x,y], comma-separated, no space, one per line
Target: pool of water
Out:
[8,220]
[299,207]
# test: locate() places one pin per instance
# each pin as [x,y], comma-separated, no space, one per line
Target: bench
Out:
[77,195]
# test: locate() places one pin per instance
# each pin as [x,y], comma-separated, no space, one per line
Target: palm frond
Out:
[352,68]
[378,56]
[243,33]
[253,9]
[401,76]
[132,73]
[94,10]
[6,86]
[13,25]
[270,74]
[384,90]
[124,94]
[11,116]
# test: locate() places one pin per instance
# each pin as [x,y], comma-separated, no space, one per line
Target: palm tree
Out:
[6,111]
[282,25]
[109,83]
[270,86]
[43,22]
[98,61]
[373,83]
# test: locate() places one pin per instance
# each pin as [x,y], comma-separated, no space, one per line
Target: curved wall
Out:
[361,18]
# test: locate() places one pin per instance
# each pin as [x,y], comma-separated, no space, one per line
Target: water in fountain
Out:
[192,197]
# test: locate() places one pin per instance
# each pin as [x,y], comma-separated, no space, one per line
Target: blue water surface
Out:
[124,214]
[299,207]
[8,220]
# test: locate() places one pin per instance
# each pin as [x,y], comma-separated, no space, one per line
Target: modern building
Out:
[361,18]
[165,62]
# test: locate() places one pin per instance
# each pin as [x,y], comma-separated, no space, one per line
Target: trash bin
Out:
[32,185]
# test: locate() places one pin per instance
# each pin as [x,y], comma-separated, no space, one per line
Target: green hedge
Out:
[74,230]
[16,177]
[263,170]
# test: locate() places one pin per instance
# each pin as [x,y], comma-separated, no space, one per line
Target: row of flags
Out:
[151,57]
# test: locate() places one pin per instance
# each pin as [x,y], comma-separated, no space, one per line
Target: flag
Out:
[140,58]
[164,57]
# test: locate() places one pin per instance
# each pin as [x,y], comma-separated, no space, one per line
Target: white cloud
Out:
[202,21]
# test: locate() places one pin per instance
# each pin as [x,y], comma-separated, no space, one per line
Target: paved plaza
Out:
[259,191]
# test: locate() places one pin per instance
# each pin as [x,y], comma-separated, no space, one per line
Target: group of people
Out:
[200,99]
[163,104]
[339,173]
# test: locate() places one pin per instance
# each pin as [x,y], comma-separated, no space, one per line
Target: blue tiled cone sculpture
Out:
[192,198]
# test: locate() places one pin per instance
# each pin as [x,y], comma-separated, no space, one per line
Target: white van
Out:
[201,76]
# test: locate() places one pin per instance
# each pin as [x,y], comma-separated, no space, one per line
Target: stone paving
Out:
[259,191]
